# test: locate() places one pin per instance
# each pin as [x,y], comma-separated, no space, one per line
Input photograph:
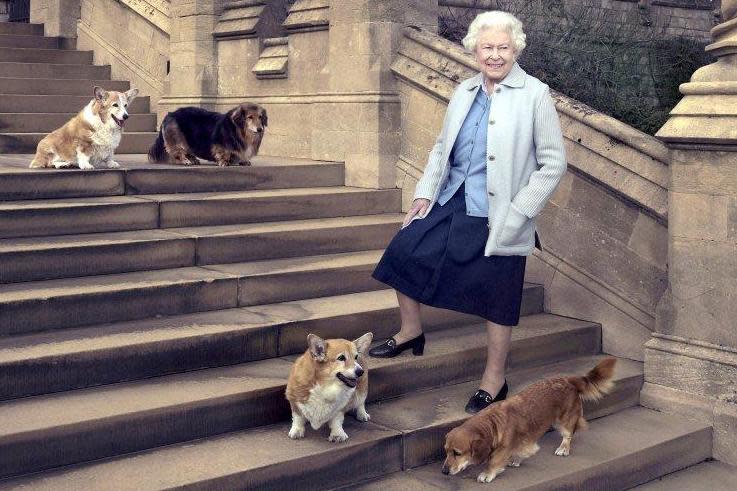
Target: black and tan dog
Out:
[190,133]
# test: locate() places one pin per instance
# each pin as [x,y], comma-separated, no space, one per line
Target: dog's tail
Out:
[157,153]
[598,382]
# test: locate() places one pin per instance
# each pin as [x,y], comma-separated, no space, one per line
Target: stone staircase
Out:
[149,316]
[44,82]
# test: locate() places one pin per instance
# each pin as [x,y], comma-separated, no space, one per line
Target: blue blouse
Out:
[468,159]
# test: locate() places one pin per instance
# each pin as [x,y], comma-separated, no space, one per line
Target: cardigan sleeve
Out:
[551,159]
[430,179]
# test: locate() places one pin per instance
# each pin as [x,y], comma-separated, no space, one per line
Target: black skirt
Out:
[439,261]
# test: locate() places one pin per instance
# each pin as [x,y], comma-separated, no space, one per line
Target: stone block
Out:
[622,334]
[599,205]
[672,401]
[698,216]
[370,170]
[725,430]
[698,368]
[581,240]
[649,239]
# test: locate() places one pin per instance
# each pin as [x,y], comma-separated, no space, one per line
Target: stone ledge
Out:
[157,12]
[240,19]
[308,15]
[272,62]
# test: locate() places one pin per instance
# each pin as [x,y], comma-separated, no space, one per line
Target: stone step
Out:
[266,173]
[201,209]
[66,359]
[617,452]
[132,142]
[29,41]
[45,86]
[298,278]
[38,55]
[58,304]
[714,476]
[21,29]
[121,418]
[37,218]
[18,103]
[250,242]
[137,176]
[46,123]
[45,258]
[54,70]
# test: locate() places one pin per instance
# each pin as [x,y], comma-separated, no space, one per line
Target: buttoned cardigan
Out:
[525,157]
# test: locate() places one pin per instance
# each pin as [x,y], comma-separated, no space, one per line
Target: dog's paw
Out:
[362,415]
[338,437]
[296,433]
[62,164]
[111,164]
[86,166]
[247,163]
[514,463]
[487,476]
[562,451]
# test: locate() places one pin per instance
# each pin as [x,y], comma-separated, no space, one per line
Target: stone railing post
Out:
[691,361]
[59,17]
[364,37]
[193,70]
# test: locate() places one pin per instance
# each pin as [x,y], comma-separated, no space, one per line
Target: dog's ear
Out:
[131,94]
[239,116]
[364,342]
[480,448]
[498,421]
[317,347]
[264,118]
[100,93]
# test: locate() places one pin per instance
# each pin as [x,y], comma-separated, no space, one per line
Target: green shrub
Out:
[622,66]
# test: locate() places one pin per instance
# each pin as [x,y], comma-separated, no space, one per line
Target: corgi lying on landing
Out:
[506,432]
[324,383]
[89,138]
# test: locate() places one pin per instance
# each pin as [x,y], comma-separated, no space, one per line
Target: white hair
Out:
[496,19]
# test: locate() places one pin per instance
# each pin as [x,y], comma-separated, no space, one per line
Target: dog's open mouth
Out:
[350,382]
[119,122]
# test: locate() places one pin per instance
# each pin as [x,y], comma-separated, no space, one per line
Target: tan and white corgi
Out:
[89,138]
[328,380]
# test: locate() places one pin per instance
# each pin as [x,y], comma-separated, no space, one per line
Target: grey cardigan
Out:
[525,157]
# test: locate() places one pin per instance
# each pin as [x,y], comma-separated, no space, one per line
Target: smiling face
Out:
[495,54]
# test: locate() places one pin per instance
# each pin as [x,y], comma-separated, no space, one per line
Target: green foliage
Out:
[620,64]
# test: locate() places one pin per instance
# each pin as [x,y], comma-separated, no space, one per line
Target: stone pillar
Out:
[59,17]
[691,361]
[192,55]
[364,37]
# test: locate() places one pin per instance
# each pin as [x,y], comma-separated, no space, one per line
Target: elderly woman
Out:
[464,242]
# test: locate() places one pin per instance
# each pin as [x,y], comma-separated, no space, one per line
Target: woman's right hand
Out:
[419,206]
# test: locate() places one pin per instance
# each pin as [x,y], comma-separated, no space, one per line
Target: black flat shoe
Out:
[482,399]
[390,348]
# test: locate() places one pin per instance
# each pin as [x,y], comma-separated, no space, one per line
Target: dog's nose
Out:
[259,130]
[446,470]
[125,116]
[359,371]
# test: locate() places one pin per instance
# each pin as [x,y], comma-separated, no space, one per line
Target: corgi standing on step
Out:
[89,138]
[328,380]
